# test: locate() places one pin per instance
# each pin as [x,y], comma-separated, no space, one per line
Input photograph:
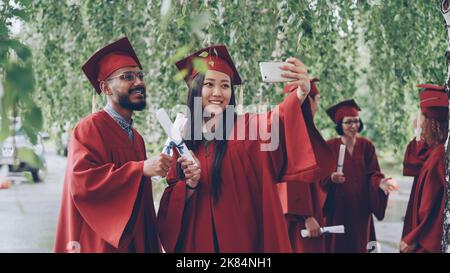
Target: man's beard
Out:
[124,100]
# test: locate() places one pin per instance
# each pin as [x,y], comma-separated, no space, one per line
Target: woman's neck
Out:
[349,141]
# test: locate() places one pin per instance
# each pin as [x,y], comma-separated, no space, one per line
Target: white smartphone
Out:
[271,72]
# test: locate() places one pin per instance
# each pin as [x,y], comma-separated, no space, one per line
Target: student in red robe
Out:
[361,190]
[417,151]
[303,203]
[107,202]
[423,233]
[233,205]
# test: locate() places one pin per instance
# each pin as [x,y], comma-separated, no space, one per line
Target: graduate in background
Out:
[233,206]
[303,203]
[361,190]
[423,231]
[107,201]
[417,151]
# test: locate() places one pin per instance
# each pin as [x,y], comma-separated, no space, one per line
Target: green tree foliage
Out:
[374,51]
[17,80]
[406,41]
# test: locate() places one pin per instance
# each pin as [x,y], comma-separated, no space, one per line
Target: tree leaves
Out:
[22,14]
[374,51]
[16,73]
[4,124]
[405,47]
[22,51]
[19,78]
[29,156]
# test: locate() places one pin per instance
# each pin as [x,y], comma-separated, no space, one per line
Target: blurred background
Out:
[373,51]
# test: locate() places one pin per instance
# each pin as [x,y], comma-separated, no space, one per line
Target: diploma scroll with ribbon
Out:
[332,229]
[174,136]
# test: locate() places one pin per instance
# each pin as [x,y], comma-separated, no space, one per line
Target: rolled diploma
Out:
[176,129]
[158,178]
[332,229]
[173,132]
[341,157]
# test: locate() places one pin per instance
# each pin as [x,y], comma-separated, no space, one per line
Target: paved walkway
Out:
[28,212]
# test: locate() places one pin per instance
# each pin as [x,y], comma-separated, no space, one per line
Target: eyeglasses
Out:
[129,76]
[350,122]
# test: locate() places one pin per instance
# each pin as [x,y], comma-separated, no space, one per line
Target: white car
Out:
[22,141]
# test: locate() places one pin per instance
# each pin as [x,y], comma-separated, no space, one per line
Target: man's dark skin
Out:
[128,96]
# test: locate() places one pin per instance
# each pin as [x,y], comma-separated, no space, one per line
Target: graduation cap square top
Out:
[214,58]
[433,101]
[110,58]
[347,108]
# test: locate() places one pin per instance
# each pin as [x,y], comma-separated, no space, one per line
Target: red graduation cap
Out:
[215,58]
[433,101]
[108,59]
[347,108]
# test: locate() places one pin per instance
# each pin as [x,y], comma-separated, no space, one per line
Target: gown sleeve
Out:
[378,199]
[292,152]
[171,208]
[415,155]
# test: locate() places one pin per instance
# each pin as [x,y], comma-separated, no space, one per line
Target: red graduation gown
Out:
[300,200]
[107,203]
[428,203]
[307,200]
[352,203]
[247,216]
[415,155]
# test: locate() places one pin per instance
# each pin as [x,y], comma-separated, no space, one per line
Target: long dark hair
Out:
[195,90]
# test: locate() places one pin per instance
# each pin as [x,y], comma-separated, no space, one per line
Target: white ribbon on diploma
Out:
[332,229]
[341,158]
[174,136]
